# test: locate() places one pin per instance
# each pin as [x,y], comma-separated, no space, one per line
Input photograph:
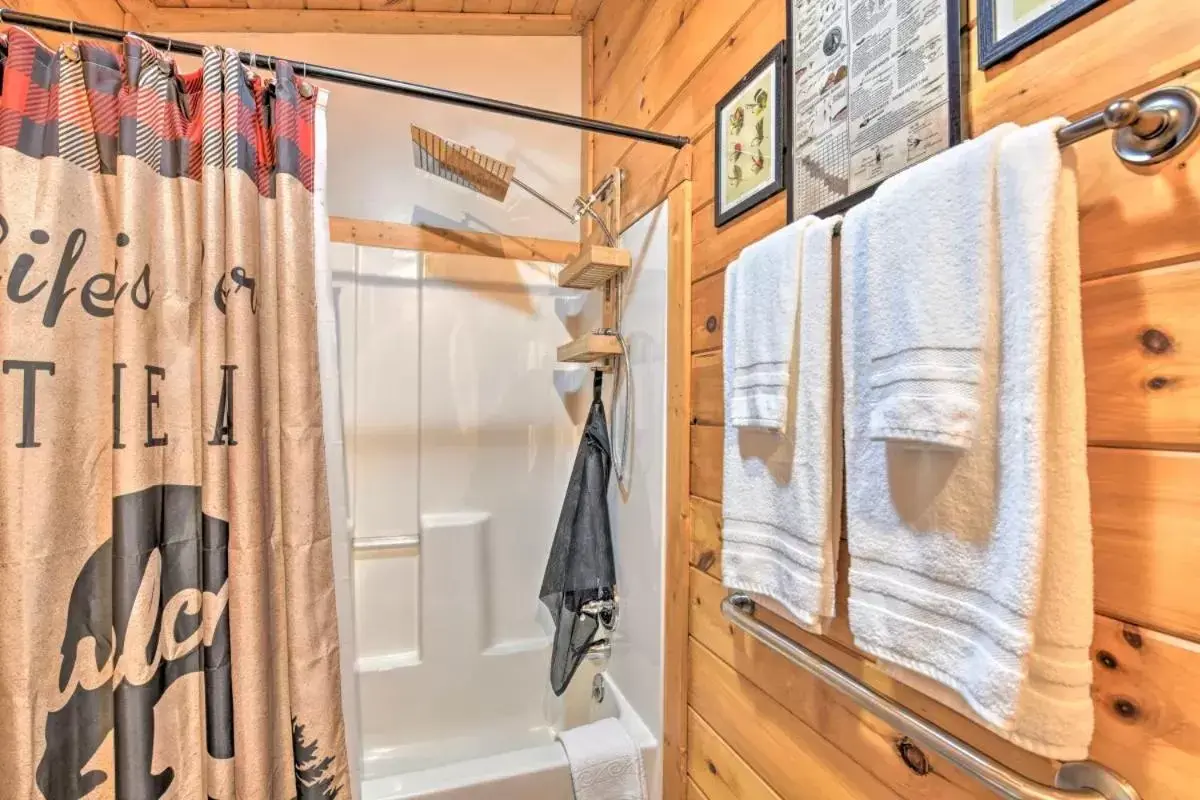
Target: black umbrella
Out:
[581,569]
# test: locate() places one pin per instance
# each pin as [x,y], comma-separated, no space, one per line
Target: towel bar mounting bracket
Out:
[1080,775]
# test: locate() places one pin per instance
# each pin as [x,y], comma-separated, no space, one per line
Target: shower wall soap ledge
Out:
[590,347]
[593,266]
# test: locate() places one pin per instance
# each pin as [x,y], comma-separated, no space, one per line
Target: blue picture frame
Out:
[993,51]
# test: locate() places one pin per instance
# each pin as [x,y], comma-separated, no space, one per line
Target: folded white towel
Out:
[975,569]
[761,292]
[605,762]
[781,500]
[931,283]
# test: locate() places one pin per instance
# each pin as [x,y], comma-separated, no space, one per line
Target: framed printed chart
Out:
[751,138]
[876,87]
[1007,26]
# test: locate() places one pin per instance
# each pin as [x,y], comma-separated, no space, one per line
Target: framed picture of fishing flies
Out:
[750,138]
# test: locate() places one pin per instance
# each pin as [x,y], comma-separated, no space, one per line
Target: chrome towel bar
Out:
[1077,780]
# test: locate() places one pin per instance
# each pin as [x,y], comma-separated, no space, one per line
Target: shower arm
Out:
[583,206]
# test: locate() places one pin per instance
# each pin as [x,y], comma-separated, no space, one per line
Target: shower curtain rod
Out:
[350,78]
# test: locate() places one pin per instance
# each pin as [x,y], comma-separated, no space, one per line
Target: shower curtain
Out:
[168,626]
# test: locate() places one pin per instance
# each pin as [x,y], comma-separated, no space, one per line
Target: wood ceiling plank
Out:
[216,4]
[333,5]
[437,5]
[275,4]
[586,10]
[487,6]
[374,21]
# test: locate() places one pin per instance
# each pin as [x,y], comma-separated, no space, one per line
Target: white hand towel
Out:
[605,762]
[931,284]
[761,292]
[781,500]
[975,569]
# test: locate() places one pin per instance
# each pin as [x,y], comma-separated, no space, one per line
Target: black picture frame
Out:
[992,52]
[954,77]
[777,57]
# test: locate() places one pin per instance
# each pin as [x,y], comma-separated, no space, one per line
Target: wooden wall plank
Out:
[704,169]
[708,312]
[705,469]
[675,615]
[1139,330]
[706,536]
[1145,719]
[1142,348]
[718,771]
[1146,523]
[1148,709]
[1161,203]
[1120,48]
[839,720]
[708,407]
[792,759]
[692,112]
[617,25]
[679,35]
[737,649]
[716,247]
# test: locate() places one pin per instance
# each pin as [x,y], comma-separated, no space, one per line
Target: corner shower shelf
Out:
[589,348]
[593,266]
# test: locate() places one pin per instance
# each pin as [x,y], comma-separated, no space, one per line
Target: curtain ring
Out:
[170,44]
[71,27]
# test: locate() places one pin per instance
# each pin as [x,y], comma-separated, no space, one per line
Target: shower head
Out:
[460,164]
[489,176]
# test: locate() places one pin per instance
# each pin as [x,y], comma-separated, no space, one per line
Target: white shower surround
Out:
[506,419]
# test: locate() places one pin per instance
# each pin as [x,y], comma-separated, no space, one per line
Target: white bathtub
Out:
[532,768]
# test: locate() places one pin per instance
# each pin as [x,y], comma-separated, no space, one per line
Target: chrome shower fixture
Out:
[465,166]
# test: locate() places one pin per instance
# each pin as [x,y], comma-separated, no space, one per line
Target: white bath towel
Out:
[761,292]
[781,500]
[931,283]
[605,762]
[975,569]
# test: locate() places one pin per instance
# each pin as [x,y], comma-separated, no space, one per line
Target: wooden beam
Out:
[282,20]
[428,239]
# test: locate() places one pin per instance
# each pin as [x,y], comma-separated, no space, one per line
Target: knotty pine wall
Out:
[741,722]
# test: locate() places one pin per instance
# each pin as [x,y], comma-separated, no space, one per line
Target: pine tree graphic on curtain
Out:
[312,782]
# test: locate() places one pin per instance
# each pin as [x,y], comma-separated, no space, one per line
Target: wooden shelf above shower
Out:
[593,266]
[589,348]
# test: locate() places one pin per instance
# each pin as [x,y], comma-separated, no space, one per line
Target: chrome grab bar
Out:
[1076,780]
